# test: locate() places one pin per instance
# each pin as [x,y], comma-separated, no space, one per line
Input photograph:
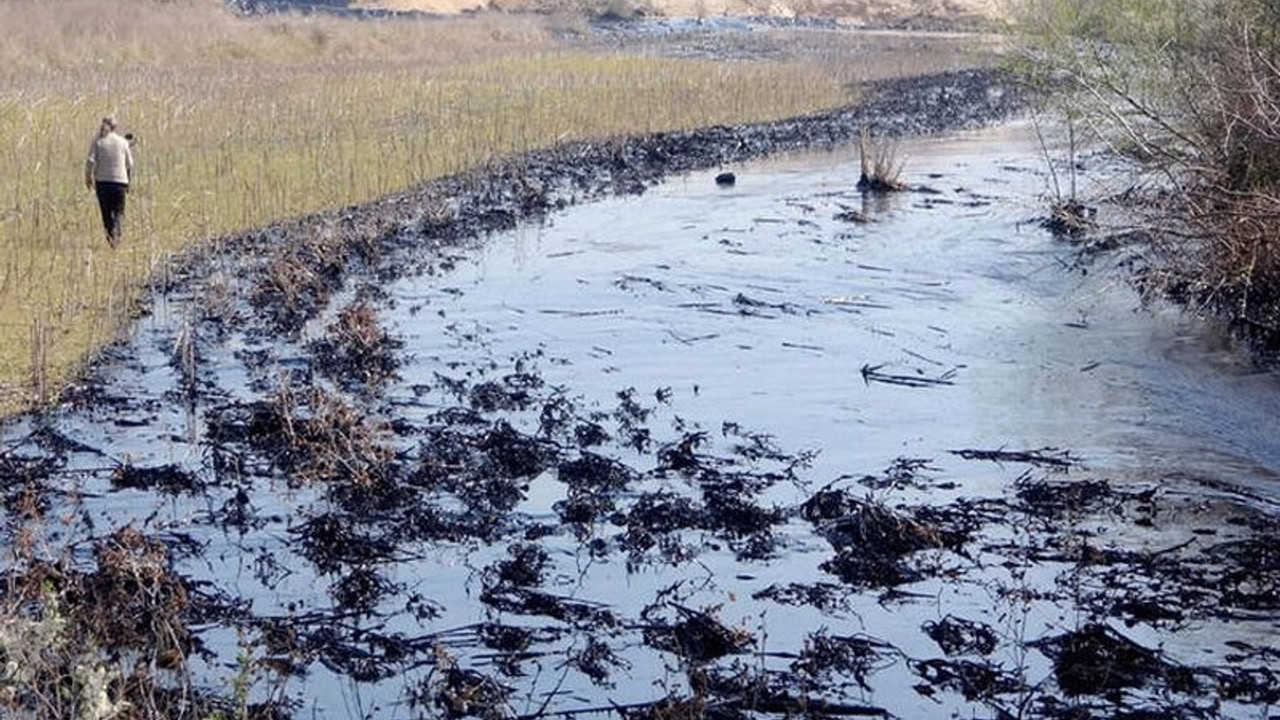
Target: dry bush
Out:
[1232,201]
[1190,89]
[1229,263]
[881,165]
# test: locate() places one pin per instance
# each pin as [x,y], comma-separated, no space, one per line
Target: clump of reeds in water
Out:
[881,165]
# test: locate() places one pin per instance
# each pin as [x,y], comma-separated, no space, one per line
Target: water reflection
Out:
[573,398]
[769,303]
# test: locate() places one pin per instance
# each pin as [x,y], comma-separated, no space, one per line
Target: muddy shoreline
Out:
[278,500]
[496,197]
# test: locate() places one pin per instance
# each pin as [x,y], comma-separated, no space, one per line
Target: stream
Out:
[641,459]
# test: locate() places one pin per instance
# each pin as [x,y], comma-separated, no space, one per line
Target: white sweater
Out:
[110,160]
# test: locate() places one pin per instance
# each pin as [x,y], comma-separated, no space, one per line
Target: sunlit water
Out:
[640,291]
[755,304]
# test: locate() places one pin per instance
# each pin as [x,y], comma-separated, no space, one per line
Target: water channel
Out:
[859,333]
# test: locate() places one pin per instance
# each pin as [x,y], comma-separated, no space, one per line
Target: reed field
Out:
[241,121]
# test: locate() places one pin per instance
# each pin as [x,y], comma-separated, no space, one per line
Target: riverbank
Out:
[703,450]
[241,121]
[289,270]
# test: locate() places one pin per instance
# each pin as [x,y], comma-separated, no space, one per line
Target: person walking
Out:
[107,171]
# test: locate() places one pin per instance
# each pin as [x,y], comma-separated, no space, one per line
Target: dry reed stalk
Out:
[881,166]
[184,356]
[40,359]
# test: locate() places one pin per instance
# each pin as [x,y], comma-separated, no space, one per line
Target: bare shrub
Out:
[1232,197]
[881,165]
[1190,89]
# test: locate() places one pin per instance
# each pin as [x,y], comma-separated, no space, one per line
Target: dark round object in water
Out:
[726,179]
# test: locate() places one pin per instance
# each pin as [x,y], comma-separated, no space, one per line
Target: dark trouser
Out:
[111,202]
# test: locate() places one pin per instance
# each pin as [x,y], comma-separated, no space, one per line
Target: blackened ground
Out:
[388,485]
[319,250]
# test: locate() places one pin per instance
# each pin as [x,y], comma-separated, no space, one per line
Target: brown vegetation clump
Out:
[874,542]
[458,692]
[137,600]
[698,636]
[356,351]
[322,438]
[869,525]
[1097,659]
[107,642]
[881,165]
[297,280]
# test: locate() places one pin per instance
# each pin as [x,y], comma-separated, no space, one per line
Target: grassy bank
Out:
[241,121]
